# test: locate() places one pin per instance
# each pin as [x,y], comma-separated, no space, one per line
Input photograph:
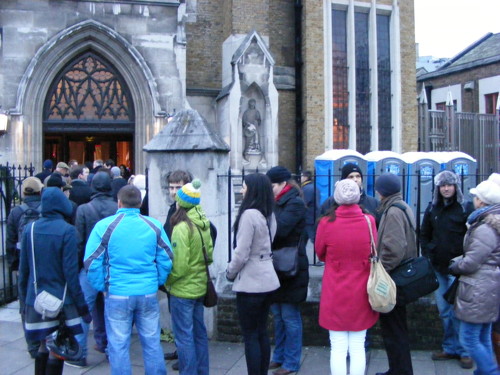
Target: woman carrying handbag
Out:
[49,265]
[343,242]
[251,269]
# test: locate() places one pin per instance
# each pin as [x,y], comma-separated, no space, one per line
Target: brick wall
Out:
[423,321]
[470,100]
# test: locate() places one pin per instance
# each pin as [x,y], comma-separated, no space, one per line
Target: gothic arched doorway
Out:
[89,113]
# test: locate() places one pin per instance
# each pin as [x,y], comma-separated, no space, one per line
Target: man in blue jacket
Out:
[128,256]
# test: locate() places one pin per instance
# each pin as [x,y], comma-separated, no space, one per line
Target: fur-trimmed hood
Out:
[493,220]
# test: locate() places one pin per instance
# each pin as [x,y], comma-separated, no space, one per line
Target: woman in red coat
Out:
[343,243]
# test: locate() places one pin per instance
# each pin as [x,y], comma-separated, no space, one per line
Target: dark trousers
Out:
[99,324]
[396,341]
[253,310]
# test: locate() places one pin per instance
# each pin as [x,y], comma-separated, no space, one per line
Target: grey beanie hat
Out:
[346,192]
[447,178]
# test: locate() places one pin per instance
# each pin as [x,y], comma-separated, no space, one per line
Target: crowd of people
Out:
[83,234]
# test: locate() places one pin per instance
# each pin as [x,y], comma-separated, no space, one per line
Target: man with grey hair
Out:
[442,235]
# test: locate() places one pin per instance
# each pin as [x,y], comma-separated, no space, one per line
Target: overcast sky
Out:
[443,28]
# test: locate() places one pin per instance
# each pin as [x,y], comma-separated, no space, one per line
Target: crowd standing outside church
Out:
[343,242]
[129,256]
[252,271]
[290,213]
[441,236]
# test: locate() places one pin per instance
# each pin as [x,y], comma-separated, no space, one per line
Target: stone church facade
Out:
[281,81]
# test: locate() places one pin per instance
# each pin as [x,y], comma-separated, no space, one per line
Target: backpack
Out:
[29,215]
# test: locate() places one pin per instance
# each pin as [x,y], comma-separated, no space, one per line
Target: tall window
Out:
[89,91]
[384,83]
[363,127]
[339,77]
[368,86]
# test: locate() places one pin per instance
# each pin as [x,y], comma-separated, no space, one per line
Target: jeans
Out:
[121,312]
[476,339]
[253,309]
[190,334]
[451,325]
[90,295]
[396,341]
[288,335]
[347,342]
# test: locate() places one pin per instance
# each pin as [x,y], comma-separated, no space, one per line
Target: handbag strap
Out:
[373,249]
[204,252]
[34,266]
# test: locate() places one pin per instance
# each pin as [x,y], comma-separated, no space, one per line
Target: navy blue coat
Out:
[55,250]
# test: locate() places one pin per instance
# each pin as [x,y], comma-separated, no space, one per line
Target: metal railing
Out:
[11,179]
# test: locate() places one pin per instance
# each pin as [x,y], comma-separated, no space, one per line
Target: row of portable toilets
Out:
[415,168]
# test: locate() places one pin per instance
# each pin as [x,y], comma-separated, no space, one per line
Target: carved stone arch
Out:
[59,51]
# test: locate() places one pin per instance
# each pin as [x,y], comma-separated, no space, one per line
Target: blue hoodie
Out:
[55,253]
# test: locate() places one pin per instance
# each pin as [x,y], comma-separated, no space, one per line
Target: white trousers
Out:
[343,342]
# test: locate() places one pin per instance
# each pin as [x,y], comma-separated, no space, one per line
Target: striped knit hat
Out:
[189,195]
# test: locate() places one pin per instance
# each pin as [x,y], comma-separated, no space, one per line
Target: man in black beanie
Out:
[353,172]
[396,243]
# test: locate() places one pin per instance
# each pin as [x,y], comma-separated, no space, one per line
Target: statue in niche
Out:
[251,124]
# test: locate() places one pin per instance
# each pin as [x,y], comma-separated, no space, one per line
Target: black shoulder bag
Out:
[210,299]
[414,277]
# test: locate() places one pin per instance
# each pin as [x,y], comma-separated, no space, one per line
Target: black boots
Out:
[54,367]
[41,363]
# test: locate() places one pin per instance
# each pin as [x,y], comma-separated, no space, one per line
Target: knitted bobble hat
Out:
[346,192]
[189,195]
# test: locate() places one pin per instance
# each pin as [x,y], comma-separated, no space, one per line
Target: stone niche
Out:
[247,107]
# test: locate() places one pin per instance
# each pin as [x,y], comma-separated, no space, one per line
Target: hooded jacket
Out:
[128,254]
[189,277]
[87,215]
[443,230]
[478,295]
[55,253]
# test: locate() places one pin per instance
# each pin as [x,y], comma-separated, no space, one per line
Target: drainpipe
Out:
[299,121]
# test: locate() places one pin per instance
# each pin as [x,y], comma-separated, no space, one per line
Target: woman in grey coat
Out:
[252,270]
[478,296]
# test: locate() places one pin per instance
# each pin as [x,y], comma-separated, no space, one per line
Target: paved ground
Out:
[225,358]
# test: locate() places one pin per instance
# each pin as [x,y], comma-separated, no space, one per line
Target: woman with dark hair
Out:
[343,243]
[290,217]
[251,268]
[187,283]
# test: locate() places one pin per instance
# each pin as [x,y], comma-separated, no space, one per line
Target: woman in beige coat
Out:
[252,270]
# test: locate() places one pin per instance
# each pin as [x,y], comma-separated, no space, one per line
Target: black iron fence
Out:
[11,179]
[418,204]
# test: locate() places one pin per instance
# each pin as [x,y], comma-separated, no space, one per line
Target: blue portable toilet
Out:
[328,168]
[427,166]
[463,165]
[379,162]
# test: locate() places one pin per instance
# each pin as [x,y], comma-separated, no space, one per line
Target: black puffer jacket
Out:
[101,205]
[290,217]
[442,233]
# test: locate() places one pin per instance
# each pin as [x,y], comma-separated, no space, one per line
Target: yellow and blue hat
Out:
[189,195]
